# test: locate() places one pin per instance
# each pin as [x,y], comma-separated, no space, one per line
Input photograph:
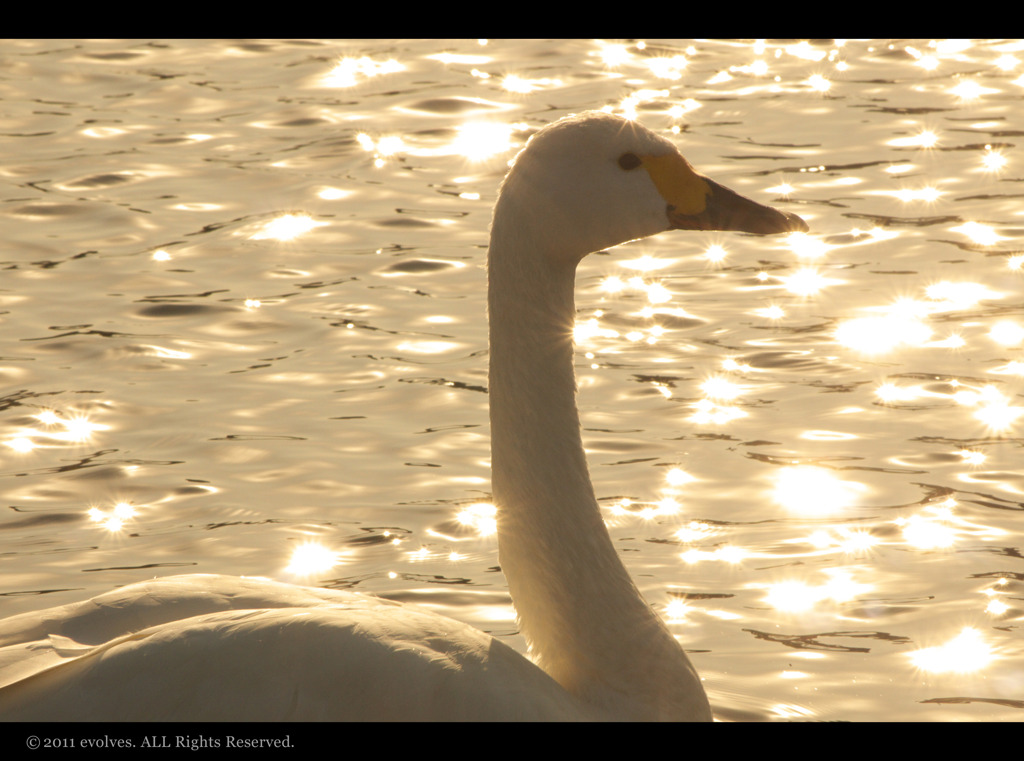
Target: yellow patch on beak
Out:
[682,188]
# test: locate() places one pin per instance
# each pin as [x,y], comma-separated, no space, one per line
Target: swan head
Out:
[595,180]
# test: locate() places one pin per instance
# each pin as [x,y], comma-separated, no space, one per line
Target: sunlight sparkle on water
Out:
[665,67]
[901,323]
[1013,367]
[658,294]
[695,531]
[707,411]
[613,284]
[727,554]
[979,233]
[1007,333]
[426,347]
[845,539]
[348,71]
[758,68]
[733,365]
[819,83]
[676,610]
[645,263]
[79,428]
[460,58]
[1007,62]
[678,110]
[805,50]
[805,282]
[637,98]
[389,145]
[311,558]
[807,246]
[798,596]
[481,140]
[517,84]
[972,457]
[879,335]
[890,393]
[614,55]
[334,194]
[47,417]
[996,412]
[923,139]
[993,161]
[809,490]
[287,227]
[589,329]
[970,90]
[959,295]
[993,407]
[481,516]
[950,48]
[721,388]
[927,62]
[113,520]
[963,654]
[926,533]
[926,194]
[773,312]
[715,253]
[75,429]
[996,607]
[678,477]
[21,444]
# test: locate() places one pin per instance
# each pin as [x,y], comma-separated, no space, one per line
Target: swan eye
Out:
[629,161]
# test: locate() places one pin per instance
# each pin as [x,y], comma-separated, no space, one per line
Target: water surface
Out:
[242,312]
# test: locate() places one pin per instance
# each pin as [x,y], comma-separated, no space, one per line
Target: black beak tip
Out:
[795,223]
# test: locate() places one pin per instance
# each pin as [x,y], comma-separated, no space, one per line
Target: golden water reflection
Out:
[800,596]
[349,72]
[113,519]
[72,427]
[807,324]
[967,652]
[480,516]
[809,490]
[286,227]
[312,558]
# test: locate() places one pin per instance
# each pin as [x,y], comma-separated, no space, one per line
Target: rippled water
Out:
[809,449]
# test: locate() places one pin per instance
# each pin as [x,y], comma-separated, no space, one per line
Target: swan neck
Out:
[584,620]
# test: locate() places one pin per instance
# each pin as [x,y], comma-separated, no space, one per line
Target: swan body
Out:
[224,648]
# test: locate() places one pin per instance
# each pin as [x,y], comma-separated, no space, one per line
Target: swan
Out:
[205,647]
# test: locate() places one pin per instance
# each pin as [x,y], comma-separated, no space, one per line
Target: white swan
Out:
[224,648]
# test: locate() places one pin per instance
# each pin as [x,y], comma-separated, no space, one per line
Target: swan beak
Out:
[726,209]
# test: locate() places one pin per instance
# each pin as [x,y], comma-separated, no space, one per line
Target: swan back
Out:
[221,648]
